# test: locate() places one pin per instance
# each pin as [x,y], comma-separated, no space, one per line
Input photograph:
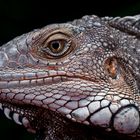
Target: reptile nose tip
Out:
[126,120]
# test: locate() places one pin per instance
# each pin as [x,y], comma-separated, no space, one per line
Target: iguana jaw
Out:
[40,121]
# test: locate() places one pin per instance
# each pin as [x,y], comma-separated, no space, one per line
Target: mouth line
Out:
[53,79]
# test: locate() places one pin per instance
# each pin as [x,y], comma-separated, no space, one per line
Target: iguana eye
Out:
[57,46]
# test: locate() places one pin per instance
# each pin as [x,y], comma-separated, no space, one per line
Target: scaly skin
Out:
[74,81]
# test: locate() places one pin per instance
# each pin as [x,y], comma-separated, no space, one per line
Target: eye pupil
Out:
[55,45]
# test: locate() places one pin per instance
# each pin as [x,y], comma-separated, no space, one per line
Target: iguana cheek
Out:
[102,117]
[81,114]
[127,120]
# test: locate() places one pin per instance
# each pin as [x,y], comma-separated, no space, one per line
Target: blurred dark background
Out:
[21,16]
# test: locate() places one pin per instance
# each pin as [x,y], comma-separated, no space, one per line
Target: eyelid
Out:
[57,37]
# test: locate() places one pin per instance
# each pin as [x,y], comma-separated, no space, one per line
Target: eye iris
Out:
[56,46]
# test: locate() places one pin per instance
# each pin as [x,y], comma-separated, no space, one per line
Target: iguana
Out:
[78,80]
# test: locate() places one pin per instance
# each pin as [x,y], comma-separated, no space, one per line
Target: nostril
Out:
[126,120]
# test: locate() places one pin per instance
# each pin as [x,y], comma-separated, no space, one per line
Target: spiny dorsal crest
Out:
[128,24]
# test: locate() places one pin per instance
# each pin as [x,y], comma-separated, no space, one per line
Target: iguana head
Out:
[82,74]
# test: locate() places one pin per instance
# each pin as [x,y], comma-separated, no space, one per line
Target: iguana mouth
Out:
[34,78]
[89,106]
[37,120]
[21,115]
[33,118]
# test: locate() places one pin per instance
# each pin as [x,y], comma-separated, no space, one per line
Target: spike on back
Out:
[128,24]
